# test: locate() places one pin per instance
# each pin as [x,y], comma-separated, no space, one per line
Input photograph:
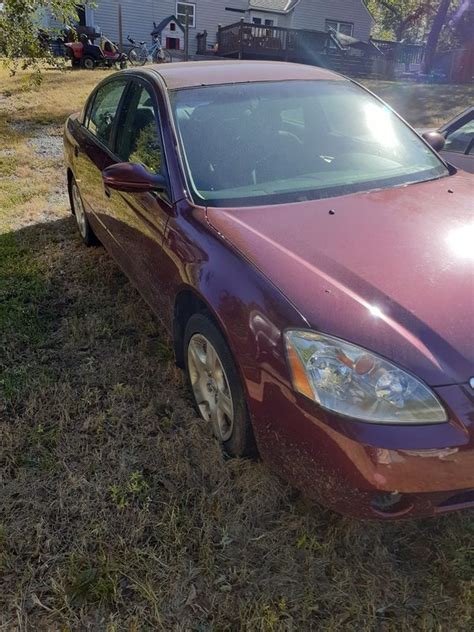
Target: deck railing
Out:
[376,58]
[245,39]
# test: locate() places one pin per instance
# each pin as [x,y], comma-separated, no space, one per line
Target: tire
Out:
[163,58]
[136,57]
[222,387]
[88,62]
[77,207]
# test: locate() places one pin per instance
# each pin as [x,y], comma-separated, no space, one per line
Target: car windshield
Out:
[274,142]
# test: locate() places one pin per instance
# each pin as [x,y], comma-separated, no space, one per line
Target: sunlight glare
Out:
[379,123]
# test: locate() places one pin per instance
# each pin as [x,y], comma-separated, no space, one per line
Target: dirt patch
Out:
[47,146]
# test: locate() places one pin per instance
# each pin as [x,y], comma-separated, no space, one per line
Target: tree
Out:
[433,37]
[23,39]
[400,19]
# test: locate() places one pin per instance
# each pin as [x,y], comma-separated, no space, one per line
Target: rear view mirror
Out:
[132,177]
[435,139]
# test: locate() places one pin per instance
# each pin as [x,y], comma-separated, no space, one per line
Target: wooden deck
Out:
[243,40]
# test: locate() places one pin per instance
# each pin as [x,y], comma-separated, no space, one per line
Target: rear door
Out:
[94,146]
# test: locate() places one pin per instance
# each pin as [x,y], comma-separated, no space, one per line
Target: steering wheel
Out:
[268,155]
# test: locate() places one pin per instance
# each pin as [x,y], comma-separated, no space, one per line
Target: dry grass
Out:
[424,105]
[117,508]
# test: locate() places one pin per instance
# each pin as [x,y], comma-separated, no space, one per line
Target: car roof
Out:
[217,72]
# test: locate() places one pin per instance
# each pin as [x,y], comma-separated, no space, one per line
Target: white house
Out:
[348,16]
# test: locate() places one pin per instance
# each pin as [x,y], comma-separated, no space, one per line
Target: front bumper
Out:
[368,470]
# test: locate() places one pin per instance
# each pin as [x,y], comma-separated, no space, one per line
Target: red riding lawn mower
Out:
[86,54]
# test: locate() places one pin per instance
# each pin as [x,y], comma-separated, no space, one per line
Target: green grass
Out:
[118,510]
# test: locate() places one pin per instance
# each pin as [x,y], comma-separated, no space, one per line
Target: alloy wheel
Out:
[79,211]
[210,386]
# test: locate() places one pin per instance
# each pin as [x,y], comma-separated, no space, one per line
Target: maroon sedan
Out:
[312,257]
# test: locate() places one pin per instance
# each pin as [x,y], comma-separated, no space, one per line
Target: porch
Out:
[331,50]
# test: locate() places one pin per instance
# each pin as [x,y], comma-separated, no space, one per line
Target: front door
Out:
[138,220]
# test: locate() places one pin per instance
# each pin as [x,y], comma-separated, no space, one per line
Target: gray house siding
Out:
[313,14]
[138,16]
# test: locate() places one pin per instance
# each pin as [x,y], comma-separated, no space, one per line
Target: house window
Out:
[172,26]
[186,8]
[259,22]
[346,28]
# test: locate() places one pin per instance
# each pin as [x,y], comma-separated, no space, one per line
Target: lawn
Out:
[117,508]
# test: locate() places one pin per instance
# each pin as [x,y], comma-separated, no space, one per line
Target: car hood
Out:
[390,270]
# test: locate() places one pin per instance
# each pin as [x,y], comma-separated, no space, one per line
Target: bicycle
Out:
[139,53]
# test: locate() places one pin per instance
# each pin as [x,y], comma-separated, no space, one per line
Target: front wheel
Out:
[216,386]
[137,57]
[163,57]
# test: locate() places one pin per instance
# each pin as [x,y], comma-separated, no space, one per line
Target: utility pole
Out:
[120,28]
[186,34]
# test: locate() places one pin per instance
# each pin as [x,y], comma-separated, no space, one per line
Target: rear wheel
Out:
[216,386]
[163,57]
[85,229]
[88,62]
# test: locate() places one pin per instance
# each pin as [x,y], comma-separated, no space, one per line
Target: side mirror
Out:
[435,139]
[132,177]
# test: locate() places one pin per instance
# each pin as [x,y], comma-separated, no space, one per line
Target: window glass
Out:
[273,142]
[104,110]
[186,7]
[139,138]
[347,28]
[459,139]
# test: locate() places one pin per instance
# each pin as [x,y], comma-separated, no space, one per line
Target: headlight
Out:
[351,381]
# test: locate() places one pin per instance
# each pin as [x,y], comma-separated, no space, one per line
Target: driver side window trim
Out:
[151,89]
[463,122]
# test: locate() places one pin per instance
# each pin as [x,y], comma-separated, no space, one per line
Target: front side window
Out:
[184,9]
[104,108]
[139,138]
[273,142]
[460,139]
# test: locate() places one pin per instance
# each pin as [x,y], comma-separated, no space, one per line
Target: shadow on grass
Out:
[118,507]
[424,105]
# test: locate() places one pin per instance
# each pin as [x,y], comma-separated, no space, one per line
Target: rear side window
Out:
[104,110]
